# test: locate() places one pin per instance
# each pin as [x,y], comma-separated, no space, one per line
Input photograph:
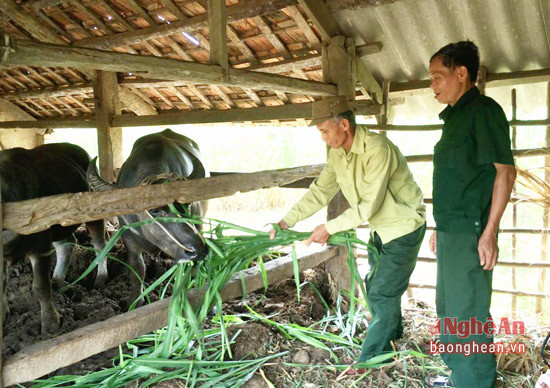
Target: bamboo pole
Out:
[514,206]
[523,264]
[546,214]
[500,291]
[507,230]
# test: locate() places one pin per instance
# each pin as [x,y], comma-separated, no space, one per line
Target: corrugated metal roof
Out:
[512,35]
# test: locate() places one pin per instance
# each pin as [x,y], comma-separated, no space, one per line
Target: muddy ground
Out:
[78,306]
[82,305]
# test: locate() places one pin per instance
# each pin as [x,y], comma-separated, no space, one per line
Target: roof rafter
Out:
[39,54]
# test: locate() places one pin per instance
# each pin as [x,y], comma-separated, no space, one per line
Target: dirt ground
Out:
[82,305]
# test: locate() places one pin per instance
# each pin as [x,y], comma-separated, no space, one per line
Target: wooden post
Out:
[546,214]
[2,300]
[514,208]
[338,64]
[39,137]
[482,79]
[383,119]
[337,268]
[217,20]
[109,139]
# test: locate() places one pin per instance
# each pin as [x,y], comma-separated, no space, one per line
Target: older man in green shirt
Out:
[376,181]
[473,177]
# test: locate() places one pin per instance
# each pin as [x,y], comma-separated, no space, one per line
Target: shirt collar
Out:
[462,102]
[358,145]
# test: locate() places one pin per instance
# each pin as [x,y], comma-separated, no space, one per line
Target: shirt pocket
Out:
[462,150]
[350,191]
[444,154]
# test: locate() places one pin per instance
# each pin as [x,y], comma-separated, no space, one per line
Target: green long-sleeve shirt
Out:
[376,181]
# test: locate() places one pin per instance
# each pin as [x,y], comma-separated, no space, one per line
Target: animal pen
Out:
[109,64]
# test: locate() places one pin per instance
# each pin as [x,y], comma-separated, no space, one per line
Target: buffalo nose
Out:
[192,252]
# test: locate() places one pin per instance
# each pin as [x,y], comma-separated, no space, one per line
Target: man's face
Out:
[448,84]
[333,132]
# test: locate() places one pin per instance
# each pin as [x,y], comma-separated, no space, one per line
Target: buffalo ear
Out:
[96,182]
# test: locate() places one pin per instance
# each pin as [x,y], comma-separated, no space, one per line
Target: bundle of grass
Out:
[184,349]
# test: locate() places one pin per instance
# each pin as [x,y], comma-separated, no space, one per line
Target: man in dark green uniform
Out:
[473,177]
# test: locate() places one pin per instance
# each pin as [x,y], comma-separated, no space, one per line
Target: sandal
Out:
[438,381]
[352,371]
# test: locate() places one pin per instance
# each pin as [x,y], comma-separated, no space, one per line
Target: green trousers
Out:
[463,293]
[386,282]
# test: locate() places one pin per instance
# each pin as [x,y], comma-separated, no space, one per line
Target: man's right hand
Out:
[433,243]
[273,232]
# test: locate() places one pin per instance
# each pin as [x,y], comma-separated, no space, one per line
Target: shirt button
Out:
[476,223]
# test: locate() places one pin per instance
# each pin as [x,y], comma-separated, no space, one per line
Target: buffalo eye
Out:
[155,212]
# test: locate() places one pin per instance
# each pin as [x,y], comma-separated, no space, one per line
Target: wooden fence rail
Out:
[38,214]
[500,263]
[537,295]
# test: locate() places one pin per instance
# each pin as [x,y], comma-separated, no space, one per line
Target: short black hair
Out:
[463,53]
[349,115]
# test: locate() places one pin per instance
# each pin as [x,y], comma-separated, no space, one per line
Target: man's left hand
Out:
[319,235]
[488,251]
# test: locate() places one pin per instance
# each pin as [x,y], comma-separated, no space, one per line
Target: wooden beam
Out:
[265,113]
[45,357]
[72,209]
[243,10]
[311,60]
[217,24]
[39,4]
[282,112]
[323,19]
[37,29]
[135,103]
[275,41]
[11,112]
[367,81]
[337,5]
[109,138]
[237,41]
[302,23]
[368,49]
[493,80]
[36,54]
[517,77]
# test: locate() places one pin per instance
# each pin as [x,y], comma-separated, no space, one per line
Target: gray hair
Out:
[349,115]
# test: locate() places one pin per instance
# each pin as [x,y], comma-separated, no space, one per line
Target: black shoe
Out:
[438,381]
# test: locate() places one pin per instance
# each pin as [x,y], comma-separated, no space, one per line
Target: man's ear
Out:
[344,124]
[462,73]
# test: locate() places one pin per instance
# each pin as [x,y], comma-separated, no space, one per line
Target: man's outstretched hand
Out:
[273,232]
[319,235]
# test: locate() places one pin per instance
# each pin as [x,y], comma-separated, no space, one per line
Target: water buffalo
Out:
[158,158]
[48,169]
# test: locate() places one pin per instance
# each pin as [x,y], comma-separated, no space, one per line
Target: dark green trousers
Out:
[386,282]
[464,292]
